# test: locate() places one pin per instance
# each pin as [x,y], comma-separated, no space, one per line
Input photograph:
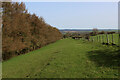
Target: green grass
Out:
[115,37]
[66,58]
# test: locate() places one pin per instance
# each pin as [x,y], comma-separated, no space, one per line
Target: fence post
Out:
[92,39]
[112,39]
[99,39]
[102,38]
[107,39]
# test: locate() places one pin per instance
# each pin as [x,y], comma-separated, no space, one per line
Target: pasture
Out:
[66,58]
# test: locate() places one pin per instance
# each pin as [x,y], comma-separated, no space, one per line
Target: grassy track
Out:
[115,37]
[66,58]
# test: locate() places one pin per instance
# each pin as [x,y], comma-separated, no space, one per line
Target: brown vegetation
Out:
[23,32]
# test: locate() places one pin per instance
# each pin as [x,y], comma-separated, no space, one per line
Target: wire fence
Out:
[106,39]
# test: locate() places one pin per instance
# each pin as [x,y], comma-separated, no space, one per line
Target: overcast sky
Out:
[77,15]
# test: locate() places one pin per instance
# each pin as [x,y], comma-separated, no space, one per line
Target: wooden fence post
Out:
[102,38]
[112,39]
[107,39]
[99,39]
[92,39]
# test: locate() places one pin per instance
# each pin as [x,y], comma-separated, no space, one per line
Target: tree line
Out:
[23,32]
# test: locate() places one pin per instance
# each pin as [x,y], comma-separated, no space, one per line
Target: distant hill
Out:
[84,30]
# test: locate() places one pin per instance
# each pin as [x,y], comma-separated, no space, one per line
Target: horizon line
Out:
[90,28]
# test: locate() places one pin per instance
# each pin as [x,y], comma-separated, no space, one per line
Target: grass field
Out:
[115,37]
[66,58]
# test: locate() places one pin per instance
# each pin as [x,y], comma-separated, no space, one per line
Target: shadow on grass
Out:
[105,58]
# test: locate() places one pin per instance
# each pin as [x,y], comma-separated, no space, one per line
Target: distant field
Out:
[66,58]
[85,30]
[115,37]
